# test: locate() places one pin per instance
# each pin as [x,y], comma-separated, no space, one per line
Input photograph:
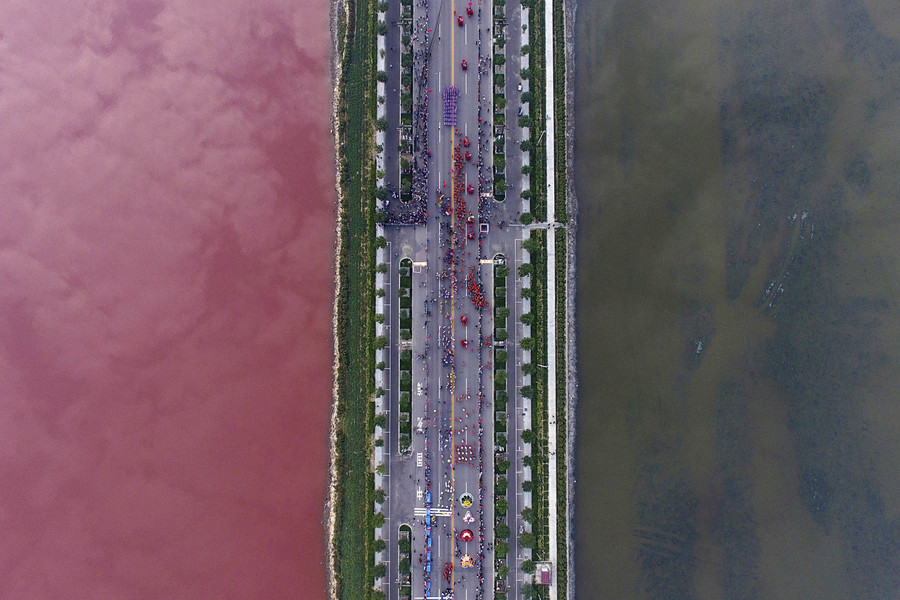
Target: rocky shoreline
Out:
[569,10]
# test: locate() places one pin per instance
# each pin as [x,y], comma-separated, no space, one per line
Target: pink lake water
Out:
[166,281]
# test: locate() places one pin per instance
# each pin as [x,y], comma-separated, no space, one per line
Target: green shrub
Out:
[501,549]
[501,531]
[501,506]
[527,539]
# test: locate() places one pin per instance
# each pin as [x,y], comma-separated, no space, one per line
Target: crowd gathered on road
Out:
[453,412]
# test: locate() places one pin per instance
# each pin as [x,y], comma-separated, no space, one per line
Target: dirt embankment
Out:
[337,6]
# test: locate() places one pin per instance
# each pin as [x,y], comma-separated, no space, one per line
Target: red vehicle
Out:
[469,11]
[459,20]
[468,155]
[463,319]
[464,65]
[466,141]
[471,189]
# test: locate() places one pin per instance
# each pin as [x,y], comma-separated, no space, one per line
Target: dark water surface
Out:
[737,169]
[166,224]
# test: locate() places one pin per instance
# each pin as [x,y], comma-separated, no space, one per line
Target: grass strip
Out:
[559,99]
[561,431]
[355,306]
[539,417]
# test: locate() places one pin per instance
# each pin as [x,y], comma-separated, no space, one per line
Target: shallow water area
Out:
[166,284]
[737,176]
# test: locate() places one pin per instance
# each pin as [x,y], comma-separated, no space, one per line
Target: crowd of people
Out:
[460,279]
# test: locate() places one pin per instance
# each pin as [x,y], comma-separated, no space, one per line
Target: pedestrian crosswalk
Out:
[436,511]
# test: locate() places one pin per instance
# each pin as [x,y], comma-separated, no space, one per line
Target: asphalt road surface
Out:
[452,444]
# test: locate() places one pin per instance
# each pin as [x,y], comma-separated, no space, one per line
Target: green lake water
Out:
[738,315]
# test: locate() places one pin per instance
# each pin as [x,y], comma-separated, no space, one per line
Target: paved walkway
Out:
[551,293]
